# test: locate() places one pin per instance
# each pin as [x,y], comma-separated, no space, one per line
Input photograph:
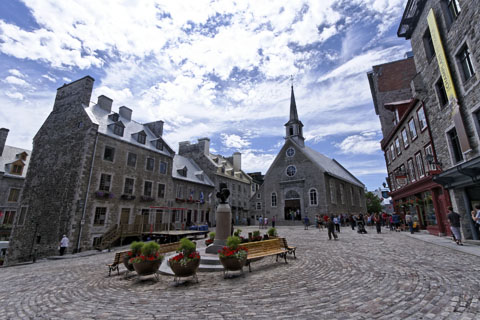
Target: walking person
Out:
[273,221]
[307,222]
[63,244]
[378,222]
[331,230]
[336,222]
[454,219]
[409,222]
[476,218]
[265,223]
[260,222]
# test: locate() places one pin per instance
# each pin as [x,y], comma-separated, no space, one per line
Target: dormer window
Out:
[118,130]
[141,137]
[114,117]
[17,169]
[182,171]
[22,156]
[159,144]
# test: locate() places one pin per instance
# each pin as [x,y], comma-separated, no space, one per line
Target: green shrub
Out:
[187,246]
[150,248]
[272,232]
[211,235]
[233,242]
[136,247]
[256,233]
[237,232]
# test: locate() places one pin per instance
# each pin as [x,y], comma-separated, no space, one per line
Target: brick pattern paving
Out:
[386,276]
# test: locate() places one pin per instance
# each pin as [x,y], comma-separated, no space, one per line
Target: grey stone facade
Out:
[222,169]
[458,30]
[305,181]
[13,168]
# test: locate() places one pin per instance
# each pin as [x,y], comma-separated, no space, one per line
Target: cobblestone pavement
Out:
[385,276]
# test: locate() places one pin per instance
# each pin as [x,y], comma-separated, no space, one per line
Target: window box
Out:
[104,195]
[179,200]
[127,197]
[146,198]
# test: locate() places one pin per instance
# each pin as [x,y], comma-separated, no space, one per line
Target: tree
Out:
[374,203]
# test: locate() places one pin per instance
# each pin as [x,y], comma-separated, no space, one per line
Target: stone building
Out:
[13,169]
[407,144]
[302,181]
[446,44]
[221,169]
[97,175]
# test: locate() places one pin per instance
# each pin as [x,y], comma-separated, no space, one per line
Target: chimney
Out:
[183,147]
[204,146]
[105,103]
[3,139]
[125,112]
[237,161]
[76,93]
[156,127]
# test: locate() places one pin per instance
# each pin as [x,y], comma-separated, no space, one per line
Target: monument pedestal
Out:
[223,228]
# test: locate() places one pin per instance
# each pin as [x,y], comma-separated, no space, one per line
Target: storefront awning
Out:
[463,175]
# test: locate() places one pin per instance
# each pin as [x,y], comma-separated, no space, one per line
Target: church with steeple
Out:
[303,182]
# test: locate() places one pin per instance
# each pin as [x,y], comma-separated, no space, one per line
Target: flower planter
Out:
[127,264]
[146,268]
[185,270]
[233,263]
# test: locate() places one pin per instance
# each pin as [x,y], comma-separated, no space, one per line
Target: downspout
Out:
[82,221]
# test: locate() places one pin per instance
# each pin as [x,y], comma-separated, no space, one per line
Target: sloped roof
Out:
[9,156]
[193,170]
[99,116]
[331,166]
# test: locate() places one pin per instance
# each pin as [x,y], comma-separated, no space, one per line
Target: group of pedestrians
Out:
[263,222]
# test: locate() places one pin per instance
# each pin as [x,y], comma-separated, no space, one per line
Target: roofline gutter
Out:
[86,194]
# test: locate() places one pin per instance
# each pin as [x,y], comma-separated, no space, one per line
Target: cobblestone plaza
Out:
[373,276]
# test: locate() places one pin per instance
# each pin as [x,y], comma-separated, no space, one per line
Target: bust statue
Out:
[223,194]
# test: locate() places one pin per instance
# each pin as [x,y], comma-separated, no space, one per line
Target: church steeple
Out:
[294,126]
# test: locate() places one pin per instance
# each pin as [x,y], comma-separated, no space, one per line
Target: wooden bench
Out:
[260,249]
[168,247]
[117,260]
[290,249]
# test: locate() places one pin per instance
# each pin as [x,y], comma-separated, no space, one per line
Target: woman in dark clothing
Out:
[331,230]
[378,222]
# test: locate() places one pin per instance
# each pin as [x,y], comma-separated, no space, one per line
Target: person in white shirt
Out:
[63,244]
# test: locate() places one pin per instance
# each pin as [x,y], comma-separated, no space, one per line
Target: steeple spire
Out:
[294,126]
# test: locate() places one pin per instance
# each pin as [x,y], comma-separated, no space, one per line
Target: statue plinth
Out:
[223,228]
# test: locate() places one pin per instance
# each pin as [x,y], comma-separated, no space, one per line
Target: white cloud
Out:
[234,141]
[16,73]
[14,95]
[49,78]
[15,81]
[364,143]
[256,161]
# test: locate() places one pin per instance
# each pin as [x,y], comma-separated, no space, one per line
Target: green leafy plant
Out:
[233,242]
[272,232]
[186,246]
[150,248]
[141,251]
[211,235]
[136,248]
[237,232]
[256,233]
[186,252]
[233,249]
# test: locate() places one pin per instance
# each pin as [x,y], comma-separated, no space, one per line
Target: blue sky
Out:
[217,69]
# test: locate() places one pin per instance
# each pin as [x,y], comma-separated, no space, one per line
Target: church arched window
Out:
[291,170]
[274,199]
[313,197]
[291,131]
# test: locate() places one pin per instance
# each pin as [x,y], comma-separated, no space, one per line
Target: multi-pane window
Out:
[404,137]
[9,217]
[441,93]
[13,195]
[332,192]
[455,146]
[23,214]
[100,214]
[392,182]
[161,190]
[128,189]
[392,152]
[411,170]
[429,151]
[163,167]
[150,164]
[351,196]
[313,197]
[342,194]
[131,159]
[105,181]
[291,170]
[159,144]
[109,153]
[413,130]
[259,206]
[118,130]
[397,146]
[428,45]
[258,195]
[387,156]
[17,169]
[179,192]
[453,9]
[466,63]
[422,120]
[141,137]
[420,168]
[147,188]
[274,199]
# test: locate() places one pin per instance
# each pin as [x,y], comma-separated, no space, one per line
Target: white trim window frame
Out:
[419,163]
[412,129]
[405,138]
[313,197]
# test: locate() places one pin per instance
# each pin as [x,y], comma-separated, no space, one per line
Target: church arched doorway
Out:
[292,206]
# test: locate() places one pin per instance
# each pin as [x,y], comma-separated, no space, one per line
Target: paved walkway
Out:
[386,276]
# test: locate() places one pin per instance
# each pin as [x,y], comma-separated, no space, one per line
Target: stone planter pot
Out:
[187,270]
[127,264]
[233,263]
[146,268]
